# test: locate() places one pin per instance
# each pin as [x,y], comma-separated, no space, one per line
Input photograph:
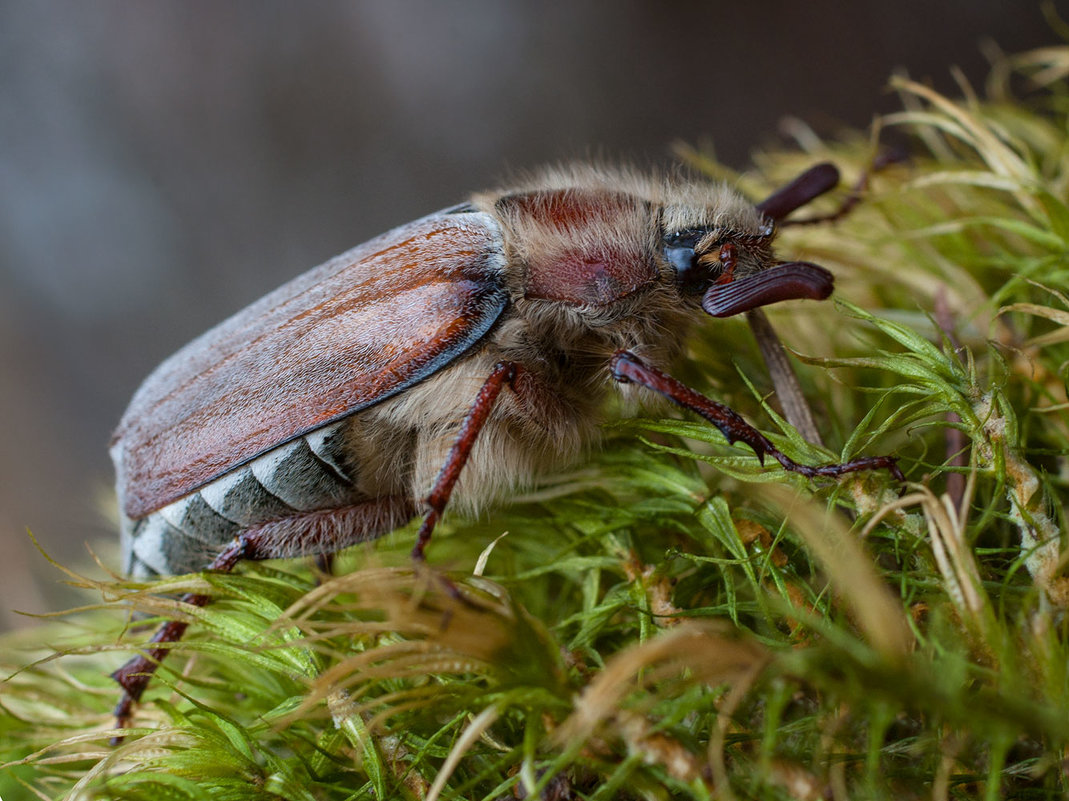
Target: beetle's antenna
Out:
[857,191]
[804,189]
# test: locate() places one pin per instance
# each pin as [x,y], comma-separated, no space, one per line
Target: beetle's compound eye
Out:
[693,274]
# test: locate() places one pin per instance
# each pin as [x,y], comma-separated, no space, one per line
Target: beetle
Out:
[371,388]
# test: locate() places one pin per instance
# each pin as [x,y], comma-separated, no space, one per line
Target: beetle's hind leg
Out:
[628,368]
[325,531]
[135,675]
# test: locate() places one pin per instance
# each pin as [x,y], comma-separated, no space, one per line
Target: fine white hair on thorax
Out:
[708,206]
[687,201]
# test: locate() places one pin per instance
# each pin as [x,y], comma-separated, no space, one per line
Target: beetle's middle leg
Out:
[626,367]
[503,373]
[324,563]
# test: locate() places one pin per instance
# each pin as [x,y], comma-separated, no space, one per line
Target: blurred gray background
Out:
[162,164]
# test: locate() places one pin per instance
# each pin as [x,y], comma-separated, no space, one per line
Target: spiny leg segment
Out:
[628,368]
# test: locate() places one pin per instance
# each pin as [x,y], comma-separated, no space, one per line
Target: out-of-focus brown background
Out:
[163,164]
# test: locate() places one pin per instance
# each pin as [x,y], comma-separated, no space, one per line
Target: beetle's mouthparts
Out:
[792,280]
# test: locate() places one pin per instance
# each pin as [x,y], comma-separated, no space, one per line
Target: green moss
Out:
[673,620]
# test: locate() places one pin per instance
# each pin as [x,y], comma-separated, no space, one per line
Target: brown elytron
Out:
[347,334]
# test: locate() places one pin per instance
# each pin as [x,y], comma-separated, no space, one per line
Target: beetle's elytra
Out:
[448,360]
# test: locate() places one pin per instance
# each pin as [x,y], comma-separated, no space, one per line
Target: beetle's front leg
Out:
[503,373]
[628,368]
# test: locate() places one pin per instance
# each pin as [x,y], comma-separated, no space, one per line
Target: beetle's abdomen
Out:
[305,474]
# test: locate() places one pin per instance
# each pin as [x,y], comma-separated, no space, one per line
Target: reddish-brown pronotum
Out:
[447,361]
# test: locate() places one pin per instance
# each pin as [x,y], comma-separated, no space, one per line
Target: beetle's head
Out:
[734,271]
[720,246]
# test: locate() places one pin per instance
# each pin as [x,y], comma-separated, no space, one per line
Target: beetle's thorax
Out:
[589,237]
[586,252]
[587,247]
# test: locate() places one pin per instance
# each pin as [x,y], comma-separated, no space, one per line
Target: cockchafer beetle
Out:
[369,389]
